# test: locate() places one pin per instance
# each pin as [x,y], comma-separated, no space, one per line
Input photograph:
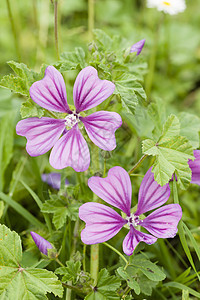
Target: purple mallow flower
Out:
[195,167]
[44,133]
[137,47]
[102,222]
[53,179]
[42,244]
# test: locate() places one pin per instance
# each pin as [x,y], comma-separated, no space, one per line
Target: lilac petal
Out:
[101,127]
[102,223]
[133,238]
[137,47]
[54,180]
[41,134]
[89,91]
[115,189]
[42,244]
[71,151]
[151,194]
[195,167]
[50,92]
[163,221]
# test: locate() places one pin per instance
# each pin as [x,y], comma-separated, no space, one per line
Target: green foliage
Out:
[72,60]
[61,210]
[30,109]
[131,282]
[172,152]
[106,287]
[71,272]
[18,282]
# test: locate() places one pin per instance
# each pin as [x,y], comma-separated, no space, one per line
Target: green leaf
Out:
[19,283]
[16,84]
[61,210]
[30,109]
[146,285]
[190,127]
[172,152]
[157,113]
[132,283]
[149,269]
[103,39]
[72,60]
[124,86]
[71,272]
[6,144]
[106,287]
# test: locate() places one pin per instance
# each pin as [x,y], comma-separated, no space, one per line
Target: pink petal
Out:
[151,194]
[195,167]
[102,223]
[133,238]
[115,189]
[163,221]
[50,92]
[71,151]
[89,91]
[101,127]
[41,134]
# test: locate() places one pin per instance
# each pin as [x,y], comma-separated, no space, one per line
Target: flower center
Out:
[166,3]
[133,220]
[71,120]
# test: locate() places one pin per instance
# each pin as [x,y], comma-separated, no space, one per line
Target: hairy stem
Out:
[56,27]
[137,164]
[14,30]
[90,18]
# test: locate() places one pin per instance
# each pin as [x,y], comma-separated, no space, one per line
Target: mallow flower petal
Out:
[101,127]
[89,91]
[102,223]
[115,189]
[53,179]
[41,134]
[195,167]
[151,194]
[133,238]
[50,92]
[42,244]
[71,151]
[163,221]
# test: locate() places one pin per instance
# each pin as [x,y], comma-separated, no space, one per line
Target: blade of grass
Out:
[193,241]
[39,203]
[21,210]
[181,287]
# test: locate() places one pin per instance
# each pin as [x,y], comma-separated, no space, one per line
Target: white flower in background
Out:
[171,7]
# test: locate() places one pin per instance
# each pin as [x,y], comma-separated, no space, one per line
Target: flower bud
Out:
[42,244]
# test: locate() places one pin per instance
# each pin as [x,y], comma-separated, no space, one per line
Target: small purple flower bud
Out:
[137,47]
[54,180]
[42,244]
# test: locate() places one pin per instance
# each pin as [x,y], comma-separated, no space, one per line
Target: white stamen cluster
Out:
[133,220]
[171,7]
[71,120]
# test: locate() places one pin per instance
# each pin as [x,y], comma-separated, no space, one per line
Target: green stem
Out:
[104,168]
[138,164]
[152,61]
[59,262]
[73,288]
[94,262]
[84,257]
[56,27]
[90,18]
[14,30]
[119,253]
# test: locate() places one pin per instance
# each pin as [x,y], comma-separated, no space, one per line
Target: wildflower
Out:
[195,167]
[53,179]
[102,222]
[44,133]
[137,47]
[42,244]
[171,7]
